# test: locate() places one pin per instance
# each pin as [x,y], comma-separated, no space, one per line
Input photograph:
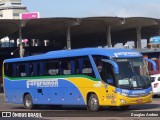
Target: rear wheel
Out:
[28,102]
[93,103]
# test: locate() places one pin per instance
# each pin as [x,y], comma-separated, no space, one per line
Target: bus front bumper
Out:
[124,100]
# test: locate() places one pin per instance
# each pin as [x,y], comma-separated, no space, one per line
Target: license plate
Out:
[139,101]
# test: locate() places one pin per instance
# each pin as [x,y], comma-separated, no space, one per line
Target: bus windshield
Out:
[133,74]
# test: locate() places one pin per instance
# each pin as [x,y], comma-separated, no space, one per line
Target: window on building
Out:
[15,14]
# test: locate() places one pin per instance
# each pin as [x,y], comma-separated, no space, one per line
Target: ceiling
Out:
[86,31]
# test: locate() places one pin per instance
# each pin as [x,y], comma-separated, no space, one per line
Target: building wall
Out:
[10,9]
[7,14]
[14,1]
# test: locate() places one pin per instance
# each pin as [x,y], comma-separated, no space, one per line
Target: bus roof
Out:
[108,52]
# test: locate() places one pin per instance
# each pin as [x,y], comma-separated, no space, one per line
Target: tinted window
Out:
[21,70]
[69,66]
[52,67]
[83,66]
[8,69]
[152,79]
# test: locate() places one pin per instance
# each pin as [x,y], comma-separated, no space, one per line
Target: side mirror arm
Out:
[114,64]
[152,62]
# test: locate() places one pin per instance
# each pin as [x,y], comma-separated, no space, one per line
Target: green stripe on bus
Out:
[59,76]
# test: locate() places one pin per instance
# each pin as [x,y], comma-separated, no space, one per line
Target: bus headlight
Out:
[124,94]
[123,101]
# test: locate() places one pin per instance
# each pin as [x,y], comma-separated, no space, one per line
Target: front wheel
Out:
[93,103]
[28,102]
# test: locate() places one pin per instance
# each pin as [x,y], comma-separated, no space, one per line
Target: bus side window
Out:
[21,70]
[73,69]
[66,68]
[38,69]
[27,69]
[8,69]
[34,69]
[54,70]
[14,70]
[52,67]
[98,63]
[79,65]
[42,71]
[31,69]
[87,67]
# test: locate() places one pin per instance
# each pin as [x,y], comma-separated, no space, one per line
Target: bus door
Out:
[109,69]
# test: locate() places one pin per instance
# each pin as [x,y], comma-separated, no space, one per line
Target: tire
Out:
[93,103]
[28,102]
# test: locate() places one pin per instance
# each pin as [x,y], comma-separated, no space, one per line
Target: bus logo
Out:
[42,83]
[124,54]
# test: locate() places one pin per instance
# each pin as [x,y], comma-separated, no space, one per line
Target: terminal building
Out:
[11,9]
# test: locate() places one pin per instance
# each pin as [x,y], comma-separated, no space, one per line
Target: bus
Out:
[91,77]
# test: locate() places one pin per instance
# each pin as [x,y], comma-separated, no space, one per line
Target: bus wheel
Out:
[93,103]
[28,103]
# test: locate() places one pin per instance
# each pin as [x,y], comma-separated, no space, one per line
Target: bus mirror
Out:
[114,64]
[152,62]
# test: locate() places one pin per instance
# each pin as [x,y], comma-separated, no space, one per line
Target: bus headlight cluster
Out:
[123,101]
[124,94]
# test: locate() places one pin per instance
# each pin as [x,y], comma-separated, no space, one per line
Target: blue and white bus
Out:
[93,77]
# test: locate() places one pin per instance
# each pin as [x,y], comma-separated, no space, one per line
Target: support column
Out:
[15,42]
[33,42]
[158,30]
[9,42]
[148,41]
[0,43]
[108,32]
[29,42]
[138,31]
[68,39]
[21,50]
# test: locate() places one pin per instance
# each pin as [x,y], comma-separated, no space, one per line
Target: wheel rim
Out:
[28,103]
[94,102]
